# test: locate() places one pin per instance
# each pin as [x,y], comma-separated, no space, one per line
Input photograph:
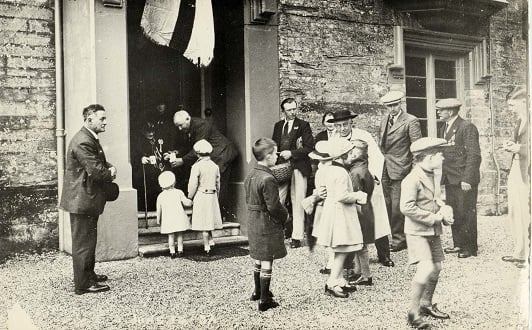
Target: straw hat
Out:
[338,146]
[320,151]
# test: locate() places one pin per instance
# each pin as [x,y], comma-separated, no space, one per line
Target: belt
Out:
[256,207]
[207,191]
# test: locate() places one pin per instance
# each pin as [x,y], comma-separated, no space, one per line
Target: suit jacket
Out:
[86,170]
[462,153]
[321,136]
[300,129]
[223,150]
[395,144]
[418,204]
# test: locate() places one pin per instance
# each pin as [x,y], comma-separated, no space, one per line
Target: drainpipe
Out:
[59,112]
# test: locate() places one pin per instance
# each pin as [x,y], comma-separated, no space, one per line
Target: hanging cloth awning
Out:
[184,25]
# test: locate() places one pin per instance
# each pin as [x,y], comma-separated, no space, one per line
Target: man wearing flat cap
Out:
[398,130]
[343,122]
[460,175]
[294,140]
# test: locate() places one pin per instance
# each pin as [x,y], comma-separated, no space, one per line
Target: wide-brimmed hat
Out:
[341,116]
[336,147]
[321,151]
[166,179]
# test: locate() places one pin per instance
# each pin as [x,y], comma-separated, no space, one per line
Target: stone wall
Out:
[28,174]
[334,55]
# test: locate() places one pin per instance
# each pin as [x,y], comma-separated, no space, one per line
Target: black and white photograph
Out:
[265,164]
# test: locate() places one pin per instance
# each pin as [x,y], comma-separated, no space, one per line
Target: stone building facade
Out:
[336,54]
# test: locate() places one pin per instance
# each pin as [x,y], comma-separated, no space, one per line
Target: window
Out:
[429,77]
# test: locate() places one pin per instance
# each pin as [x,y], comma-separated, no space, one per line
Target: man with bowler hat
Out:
[343,121]
[294,140]
[84,196]
[460,175]
[398,130]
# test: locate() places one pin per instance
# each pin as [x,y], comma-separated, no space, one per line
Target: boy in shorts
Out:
[424,215]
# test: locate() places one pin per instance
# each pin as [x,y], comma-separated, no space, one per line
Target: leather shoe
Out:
[336,291]
[100,278]
[325,270]
[361,281]
[265,305]
[295,243]
[397,248]
[387,262]
[349,288]
[95,288]
[256,296]
[434,312]
[418,322]
[466,254]
[452,250]
[173,255]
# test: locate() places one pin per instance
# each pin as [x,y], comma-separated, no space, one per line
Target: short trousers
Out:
[424,248]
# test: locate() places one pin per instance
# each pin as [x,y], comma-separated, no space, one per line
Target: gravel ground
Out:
[160,293]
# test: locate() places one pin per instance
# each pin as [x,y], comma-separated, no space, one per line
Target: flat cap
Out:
[392,97]
[426,143]
[448,104]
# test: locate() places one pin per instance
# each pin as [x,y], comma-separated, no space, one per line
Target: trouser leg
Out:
[470,219]
[84,236]
[455,200]
[382,244]
[298,191]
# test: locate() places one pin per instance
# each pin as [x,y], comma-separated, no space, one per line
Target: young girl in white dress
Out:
[203,189]
[170,213]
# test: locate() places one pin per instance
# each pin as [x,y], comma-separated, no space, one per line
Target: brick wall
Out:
[334,54]
[28,176]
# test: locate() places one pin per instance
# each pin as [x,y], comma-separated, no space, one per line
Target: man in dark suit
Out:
[460,175]
[83,195]
[294,141]
[223,151]
[397,132]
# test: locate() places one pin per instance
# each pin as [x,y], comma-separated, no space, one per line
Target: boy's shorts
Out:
[423,248]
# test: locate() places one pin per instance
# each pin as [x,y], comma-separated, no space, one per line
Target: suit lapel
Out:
[398,123]
[454,127]
[383,131]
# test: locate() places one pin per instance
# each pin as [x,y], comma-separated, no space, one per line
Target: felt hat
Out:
[202,147]
[320,151]
[166,179]
[451,103]
[427,143]
[392,97]
[111,190]
[341,116]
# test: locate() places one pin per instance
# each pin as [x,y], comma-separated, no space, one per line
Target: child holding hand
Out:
[170,212]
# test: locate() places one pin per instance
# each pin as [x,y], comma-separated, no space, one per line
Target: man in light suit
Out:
[294,140]
[84,196]
[398,130]
[460,175]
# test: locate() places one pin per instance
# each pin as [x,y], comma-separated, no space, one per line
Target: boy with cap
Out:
[424,215]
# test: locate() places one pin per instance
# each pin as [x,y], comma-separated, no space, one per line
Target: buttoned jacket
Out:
[300,130]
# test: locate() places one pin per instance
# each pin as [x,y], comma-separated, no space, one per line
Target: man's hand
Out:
[286,154]
[178,162]
[113,172]
[465,186]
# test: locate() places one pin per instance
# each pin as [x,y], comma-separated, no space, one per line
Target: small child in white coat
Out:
[170,212]
[203,189]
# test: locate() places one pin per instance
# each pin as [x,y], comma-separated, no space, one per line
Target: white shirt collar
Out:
[397,115]
[92,132]
[290,124]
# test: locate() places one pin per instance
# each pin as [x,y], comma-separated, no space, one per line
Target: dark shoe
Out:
[295,243]
[173,255]
[452,250]
[100,278]
[465,254]
[434,312]
[180,254]
[520,263]
[368,281]
[349,288]
[417,323]
[325,270]
[397,248]
[208,253]
[95,288]
[353,277]
[336,291]
[265,305]
[387,262]
[256,296]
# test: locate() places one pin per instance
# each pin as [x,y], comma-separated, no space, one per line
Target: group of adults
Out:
[390,160]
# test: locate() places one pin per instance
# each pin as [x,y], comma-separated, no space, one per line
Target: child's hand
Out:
[361,197]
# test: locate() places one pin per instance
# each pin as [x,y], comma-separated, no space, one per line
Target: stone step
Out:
[161,248]
[152,218]
[152,236]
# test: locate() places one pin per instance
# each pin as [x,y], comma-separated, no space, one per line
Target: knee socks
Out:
[256,278]
[430,287]
[265,279]
[171,243]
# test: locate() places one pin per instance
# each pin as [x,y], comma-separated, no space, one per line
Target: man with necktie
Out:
[398,130]
[460,175]
[294,140]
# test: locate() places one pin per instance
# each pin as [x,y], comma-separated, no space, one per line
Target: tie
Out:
[390,122]
[285,129]
[445,129]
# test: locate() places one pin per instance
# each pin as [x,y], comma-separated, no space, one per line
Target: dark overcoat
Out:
[86,170]
[300,129]
[364,181]
[266,215]
[462,154]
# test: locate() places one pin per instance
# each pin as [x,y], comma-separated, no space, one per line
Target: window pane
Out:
[416,107]
[415,66]
[445,69]
[416,87]
[445,89]
[424,130]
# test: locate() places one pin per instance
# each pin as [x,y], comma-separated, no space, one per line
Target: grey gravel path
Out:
[160,293]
